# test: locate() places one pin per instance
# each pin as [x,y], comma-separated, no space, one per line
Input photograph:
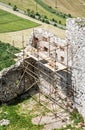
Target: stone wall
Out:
[50,80]
[76,38]
[15,81]
[45,41]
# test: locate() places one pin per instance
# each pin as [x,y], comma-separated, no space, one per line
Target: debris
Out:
[4,122]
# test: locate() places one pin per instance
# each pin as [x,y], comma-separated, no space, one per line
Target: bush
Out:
[47,21]
[28,11]
[50,7]
[9,3]
[59,22]
[43,20]
[64,16]
[32,15]
[76,116]
[45,17]
[69,15]
[37,14]
[53,19]
[55,24]
[15,8]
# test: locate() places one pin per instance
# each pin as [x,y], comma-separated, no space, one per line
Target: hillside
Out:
[31,5]
[74,7]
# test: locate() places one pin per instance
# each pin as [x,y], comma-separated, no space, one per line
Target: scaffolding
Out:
[46,61]
[48,67]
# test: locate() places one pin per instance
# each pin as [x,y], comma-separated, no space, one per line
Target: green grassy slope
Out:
[10,22]
[20,117]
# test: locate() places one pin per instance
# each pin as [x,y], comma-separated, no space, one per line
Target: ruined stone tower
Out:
[75,35]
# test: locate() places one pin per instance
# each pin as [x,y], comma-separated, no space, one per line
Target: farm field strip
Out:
[73,7]
[10,22]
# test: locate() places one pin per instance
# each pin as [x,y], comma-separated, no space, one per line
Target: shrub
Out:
[50,7]
[53,19]
[28,11]
[47,21]
[15,8]
[9,3]
[69,15]
[45,17]
[43,20]
[59,21]
[37,14]
[76,116]
[55,24]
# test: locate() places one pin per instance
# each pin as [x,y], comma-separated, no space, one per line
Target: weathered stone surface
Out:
[14,81]
[4,122]
[76,38]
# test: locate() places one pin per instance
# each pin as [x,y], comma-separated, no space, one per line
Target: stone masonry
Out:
[75,35]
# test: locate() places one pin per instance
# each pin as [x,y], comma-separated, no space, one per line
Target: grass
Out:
[10,22]
[76,116]
[18,120]
[6,58]
[21,111]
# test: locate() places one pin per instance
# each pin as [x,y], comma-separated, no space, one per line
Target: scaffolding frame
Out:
[36,77]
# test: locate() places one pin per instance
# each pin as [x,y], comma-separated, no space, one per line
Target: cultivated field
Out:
[74,7]
[10,22]
[31,5]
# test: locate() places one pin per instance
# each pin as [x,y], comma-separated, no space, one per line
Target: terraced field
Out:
[10,22]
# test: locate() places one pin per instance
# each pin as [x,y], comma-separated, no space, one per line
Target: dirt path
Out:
[17,36]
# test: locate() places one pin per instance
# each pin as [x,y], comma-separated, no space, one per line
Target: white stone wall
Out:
[76,38]
[46,37]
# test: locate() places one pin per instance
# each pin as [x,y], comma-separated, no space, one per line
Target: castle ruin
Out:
[56,65]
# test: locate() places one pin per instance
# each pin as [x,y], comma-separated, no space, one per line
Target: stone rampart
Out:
[76,38]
